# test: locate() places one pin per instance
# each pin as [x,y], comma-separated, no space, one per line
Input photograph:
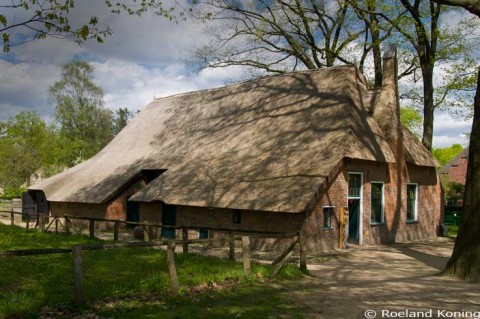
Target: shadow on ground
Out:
[399,277]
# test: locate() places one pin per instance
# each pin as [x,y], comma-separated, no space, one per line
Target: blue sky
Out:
[143,59]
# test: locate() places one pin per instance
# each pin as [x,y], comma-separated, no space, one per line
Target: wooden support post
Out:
[28,224]
[172,271]
[40,222]
[303,252]
[231,246]
[12,218]
[116,229]
[341,223]
[56,225]
[282,259]
[68,225]
[78,296]
[285,253]
[246,255]
[185,240]
[92,228]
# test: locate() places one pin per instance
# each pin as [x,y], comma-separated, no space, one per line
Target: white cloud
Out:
[446,141]
[449,130]
[24,86]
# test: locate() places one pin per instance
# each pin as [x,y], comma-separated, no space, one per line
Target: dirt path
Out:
[394,278]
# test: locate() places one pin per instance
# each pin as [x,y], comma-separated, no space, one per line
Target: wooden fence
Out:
[76,251]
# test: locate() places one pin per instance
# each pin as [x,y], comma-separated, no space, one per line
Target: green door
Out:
[168,218]
[353,221]
[133,213]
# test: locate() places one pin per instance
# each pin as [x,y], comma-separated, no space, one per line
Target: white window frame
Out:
[360,222]
[415,212]
[382,221]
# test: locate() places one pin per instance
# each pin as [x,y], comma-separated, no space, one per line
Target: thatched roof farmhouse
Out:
[280,150]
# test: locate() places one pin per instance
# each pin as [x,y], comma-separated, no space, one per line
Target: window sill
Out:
[412,221]
[377,224]
[327,228]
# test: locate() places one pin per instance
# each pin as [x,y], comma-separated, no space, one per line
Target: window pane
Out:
[411,201]
[354,185]
[376,203]
[327,217]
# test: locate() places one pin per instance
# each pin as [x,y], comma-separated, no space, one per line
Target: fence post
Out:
[185,240]
[92,228]
[231,246]
[172,271]
[115,231]
[78,296]
[56,225]
[12,218]
[28,224]
[303,252]
[40,221]
[246,255]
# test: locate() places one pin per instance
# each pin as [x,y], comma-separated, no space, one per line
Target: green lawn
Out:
[133,282]
[452,230]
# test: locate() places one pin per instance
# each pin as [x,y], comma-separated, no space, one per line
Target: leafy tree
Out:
[453,192]
[84,124]
[42,18]
[277,36]
[420,31]
[465,260]
[121,117]
[411,118]
[24,149]
[446,154]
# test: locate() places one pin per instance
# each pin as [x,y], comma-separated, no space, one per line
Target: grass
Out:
[133,282]
[452,230]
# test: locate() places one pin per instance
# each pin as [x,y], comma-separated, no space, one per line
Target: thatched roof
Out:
[264,145]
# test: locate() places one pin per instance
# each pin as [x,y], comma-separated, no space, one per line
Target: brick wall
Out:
[395,228]
[59,209]
[117,208]
[458,173]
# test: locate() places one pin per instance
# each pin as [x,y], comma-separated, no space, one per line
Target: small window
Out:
[237,216]
[376,203]
[354,185]
[412,193]
[327,217]
[202,233]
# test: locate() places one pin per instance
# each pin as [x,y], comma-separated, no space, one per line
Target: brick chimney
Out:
[387,107]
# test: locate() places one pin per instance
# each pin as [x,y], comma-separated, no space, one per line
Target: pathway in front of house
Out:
[386,278]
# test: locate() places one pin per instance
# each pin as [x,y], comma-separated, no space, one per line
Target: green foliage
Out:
[24,148]
[85,126]
[446,154]
[411,118]
[43,18]
[121,117]
[453,192]
[12,192]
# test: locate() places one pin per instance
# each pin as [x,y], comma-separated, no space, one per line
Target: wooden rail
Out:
[76,251]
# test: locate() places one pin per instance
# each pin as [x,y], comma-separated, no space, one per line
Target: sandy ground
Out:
[386,278]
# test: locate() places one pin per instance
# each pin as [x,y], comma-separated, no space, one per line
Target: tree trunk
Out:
[428,105]
[465,260]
